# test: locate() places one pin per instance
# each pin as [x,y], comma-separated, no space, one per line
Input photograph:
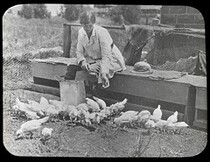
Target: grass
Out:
[24,39]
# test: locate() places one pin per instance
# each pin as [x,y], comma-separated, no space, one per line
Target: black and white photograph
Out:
[104,80]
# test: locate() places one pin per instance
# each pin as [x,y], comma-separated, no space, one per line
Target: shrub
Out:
[131,13]
[34,11]
[72,12]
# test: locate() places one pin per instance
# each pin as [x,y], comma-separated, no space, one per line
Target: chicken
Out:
[74,114]
[144,116]
[44,102]
[92,105]
[106,112]
[31,115]
[150,124]
[173,118]
[94,117]
[157,114]
[119,106]
[31,125]
[100,102]
[82,106]
[58,104]
[47,131]
[129,117]
[20,105]
[23,107]
[161,124]
[181,124]
[36,107]
[129,113]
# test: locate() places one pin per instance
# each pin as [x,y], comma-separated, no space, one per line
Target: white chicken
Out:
[82,106]
[100,102]
[119,106]
[173,118]
[36,107]
[129,113]
[44,102]
[144,116]
[94,117]
[161,124]
[157,114]
[92,105]
[129,117]
[24,107]
[181,124]
[58,104]
[47,131]
[106,112]
[31,125]
[20,105]
[150,124]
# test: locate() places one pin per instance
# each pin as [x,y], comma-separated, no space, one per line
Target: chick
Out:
[47,131]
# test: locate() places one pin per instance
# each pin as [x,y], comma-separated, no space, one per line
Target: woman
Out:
[96,52]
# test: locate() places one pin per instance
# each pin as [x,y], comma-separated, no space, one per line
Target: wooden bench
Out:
[178,91]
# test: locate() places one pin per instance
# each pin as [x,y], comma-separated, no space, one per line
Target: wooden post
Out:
[66,40]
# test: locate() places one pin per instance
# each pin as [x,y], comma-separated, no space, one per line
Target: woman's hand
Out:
[94,67]
[105,80]
[84,65]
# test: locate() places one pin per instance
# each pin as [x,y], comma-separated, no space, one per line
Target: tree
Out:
[72,12]
[34,11]
[131,13]
[26,11]
[40,11]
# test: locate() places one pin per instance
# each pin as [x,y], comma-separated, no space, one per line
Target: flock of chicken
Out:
[92,112]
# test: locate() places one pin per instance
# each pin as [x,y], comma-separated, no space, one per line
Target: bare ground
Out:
[77,141]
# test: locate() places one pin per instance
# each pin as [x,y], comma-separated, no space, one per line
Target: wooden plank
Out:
[201,98]
[66,40]
[47,71]
[145,87]
[44,89]
[105,26]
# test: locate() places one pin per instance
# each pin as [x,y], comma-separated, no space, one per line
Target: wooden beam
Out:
[66,40]
[105,26]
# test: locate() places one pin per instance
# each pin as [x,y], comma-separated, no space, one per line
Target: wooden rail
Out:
[67,36]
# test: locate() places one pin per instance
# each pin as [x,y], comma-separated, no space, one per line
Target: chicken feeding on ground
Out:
[82,106]
[143,117]
[117,107]
[30,126]
[127,117]
[36,107]
[92,105]
[100,102]
[150,124]
[25,108]
[157,114]
[173,118]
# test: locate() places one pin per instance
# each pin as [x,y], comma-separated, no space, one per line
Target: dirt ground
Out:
[106,141]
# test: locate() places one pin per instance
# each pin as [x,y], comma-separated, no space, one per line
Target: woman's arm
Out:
[80,49]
